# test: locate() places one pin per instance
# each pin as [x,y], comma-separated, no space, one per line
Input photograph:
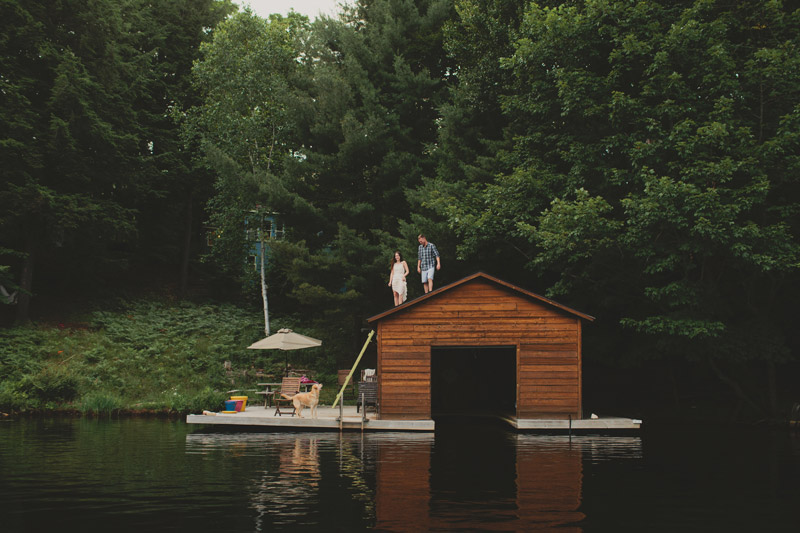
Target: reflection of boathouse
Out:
[393,481]
[477,345]
[536,484]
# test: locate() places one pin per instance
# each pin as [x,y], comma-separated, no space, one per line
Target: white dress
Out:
[398,282]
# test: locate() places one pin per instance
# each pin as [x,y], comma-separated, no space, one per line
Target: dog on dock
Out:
[308,399]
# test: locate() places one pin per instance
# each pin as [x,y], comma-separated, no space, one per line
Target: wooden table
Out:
[273,388]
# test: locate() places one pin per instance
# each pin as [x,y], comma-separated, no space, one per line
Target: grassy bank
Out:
[138,356]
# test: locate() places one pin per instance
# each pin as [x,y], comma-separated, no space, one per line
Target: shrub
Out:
[101,403]
[11,398]
[206,399]
[152,354]
[53,383]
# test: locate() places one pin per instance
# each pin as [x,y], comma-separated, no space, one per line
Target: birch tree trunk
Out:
[264,287]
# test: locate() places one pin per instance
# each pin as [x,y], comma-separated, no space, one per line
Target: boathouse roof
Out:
[482,276]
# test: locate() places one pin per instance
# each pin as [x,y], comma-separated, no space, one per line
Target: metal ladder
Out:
[352,423]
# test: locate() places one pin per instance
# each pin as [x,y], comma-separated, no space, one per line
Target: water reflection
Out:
[461,478]
[549,481]
[137,474]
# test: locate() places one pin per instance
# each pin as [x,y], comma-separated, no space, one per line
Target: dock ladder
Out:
[352,422]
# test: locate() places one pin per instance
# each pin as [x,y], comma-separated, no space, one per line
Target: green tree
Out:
[69,137]
[329,126]
[370,114]
[174,188]
[93,157]
[652,176]
[474,137]
[240,124]
[366,125]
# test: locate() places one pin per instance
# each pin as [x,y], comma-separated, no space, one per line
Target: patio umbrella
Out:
[285,339]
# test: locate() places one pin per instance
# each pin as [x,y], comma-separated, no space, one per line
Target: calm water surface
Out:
[141,475]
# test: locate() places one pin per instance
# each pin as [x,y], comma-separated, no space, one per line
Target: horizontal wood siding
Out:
[480,313]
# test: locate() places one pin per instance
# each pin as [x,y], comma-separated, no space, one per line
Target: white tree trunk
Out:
[264,287]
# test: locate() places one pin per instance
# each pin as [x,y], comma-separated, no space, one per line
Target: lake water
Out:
[143,474]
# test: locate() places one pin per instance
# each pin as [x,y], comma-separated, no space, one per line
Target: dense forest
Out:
[637,161]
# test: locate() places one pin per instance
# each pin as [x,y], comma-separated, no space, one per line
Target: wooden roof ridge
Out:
[487,277]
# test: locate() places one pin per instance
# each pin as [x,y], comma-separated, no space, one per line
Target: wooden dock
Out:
[578,426]
[328,418]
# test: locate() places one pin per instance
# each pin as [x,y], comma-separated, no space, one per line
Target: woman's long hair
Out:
[391,264]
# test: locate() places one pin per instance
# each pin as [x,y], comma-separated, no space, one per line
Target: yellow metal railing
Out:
[350,375]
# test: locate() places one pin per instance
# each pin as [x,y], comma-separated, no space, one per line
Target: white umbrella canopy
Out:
[285,339]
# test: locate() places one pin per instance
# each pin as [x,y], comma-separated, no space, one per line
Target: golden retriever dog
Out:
[308,399]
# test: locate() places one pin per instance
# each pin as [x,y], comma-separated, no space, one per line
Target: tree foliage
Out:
[240,126]
[650,169]
[86,95]
[357,104]
[636,160]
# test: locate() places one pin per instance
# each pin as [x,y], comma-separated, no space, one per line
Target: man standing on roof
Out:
[425,262]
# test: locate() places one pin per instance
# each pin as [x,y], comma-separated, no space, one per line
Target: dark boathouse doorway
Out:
[473,381]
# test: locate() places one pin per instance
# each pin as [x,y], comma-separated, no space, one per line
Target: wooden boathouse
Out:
[479,345]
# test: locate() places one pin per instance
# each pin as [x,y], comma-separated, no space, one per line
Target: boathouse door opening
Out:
[473,380]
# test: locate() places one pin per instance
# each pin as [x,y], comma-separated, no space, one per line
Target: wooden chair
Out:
[368,394]
[351,385]
[289,386]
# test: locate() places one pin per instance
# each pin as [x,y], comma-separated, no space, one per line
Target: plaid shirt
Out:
[427,256]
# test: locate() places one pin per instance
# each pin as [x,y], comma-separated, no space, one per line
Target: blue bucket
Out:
[230,405]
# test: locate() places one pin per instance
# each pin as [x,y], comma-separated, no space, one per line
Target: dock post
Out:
[570,427]
[363,410]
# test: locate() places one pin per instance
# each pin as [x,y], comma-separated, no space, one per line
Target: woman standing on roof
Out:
[397,278]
